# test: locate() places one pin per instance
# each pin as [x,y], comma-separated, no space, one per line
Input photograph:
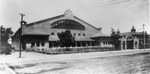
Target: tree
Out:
[115,38]
[6,34]
[66,39]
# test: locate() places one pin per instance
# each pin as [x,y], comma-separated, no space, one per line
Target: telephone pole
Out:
[144,36]
[20,46]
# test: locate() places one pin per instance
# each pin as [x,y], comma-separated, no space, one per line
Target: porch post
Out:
[75,44]
[125,44]
[121,45]
[80,44]
[90,44]
[134,44]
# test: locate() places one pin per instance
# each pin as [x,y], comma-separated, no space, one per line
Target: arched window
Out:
[79,34]
[74,34]
[67,24]
[83,34]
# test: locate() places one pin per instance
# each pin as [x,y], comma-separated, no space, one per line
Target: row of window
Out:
[79,34]
[106,43]
[37,44]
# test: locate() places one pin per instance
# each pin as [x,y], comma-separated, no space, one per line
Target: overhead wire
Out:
[102,4]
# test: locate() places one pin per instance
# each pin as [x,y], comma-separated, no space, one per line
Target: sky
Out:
[118,14]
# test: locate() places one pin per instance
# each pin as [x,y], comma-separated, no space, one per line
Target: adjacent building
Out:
[134,39]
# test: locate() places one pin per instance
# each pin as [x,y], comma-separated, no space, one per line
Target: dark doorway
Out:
[130,44]
[123,44]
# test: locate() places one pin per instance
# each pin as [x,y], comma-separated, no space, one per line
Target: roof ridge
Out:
[45,19]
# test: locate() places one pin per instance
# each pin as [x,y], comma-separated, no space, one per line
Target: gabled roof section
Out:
[67,13]
[16,33]
[55,38]
[86,22]
[36,32]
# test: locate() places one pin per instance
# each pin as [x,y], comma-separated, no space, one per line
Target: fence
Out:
[62,50]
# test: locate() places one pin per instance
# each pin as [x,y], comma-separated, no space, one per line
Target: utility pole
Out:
[20,46]
[144,36]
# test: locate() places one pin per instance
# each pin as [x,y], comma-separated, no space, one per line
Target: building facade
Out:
[43,33]
[134,40]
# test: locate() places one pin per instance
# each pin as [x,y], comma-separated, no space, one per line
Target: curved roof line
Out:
[86,22]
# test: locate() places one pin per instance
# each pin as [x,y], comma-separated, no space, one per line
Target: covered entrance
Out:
[129,42]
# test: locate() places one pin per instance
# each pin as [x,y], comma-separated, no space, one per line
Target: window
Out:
[74,34]
[83,34]
[79,34]
[52,33]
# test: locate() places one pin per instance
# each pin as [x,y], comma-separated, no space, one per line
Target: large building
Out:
[43,33]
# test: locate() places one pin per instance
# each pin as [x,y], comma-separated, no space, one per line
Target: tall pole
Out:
[144,35]
[20,46]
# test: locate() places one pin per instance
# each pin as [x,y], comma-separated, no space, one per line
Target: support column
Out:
[46,45]
[134,44]
[80,44]
[99,44]
[35,45]
[138,44]
[85,43]
[39,43]
[90,44]
[121,45]
[76,44]
[125,44]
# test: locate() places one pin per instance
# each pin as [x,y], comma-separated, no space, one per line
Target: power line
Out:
[108,3]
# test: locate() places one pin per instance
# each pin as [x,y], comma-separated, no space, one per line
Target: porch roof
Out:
[100,35]
[130,33]
[55,38]
[36,32]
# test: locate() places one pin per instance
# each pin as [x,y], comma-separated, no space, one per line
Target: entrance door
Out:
[130,44]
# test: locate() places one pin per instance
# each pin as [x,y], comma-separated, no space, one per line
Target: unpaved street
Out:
[115,62]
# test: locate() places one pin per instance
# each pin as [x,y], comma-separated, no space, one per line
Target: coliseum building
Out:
[43,33]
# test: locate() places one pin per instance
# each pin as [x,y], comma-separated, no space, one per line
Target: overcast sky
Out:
[119,14]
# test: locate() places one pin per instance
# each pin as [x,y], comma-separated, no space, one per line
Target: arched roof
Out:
[67,24]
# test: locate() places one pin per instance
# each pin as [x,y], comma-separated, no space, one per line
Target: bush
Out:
[5,50]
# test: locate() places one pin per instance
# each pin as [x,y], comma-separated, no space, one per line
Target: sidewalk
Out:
[4,69]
